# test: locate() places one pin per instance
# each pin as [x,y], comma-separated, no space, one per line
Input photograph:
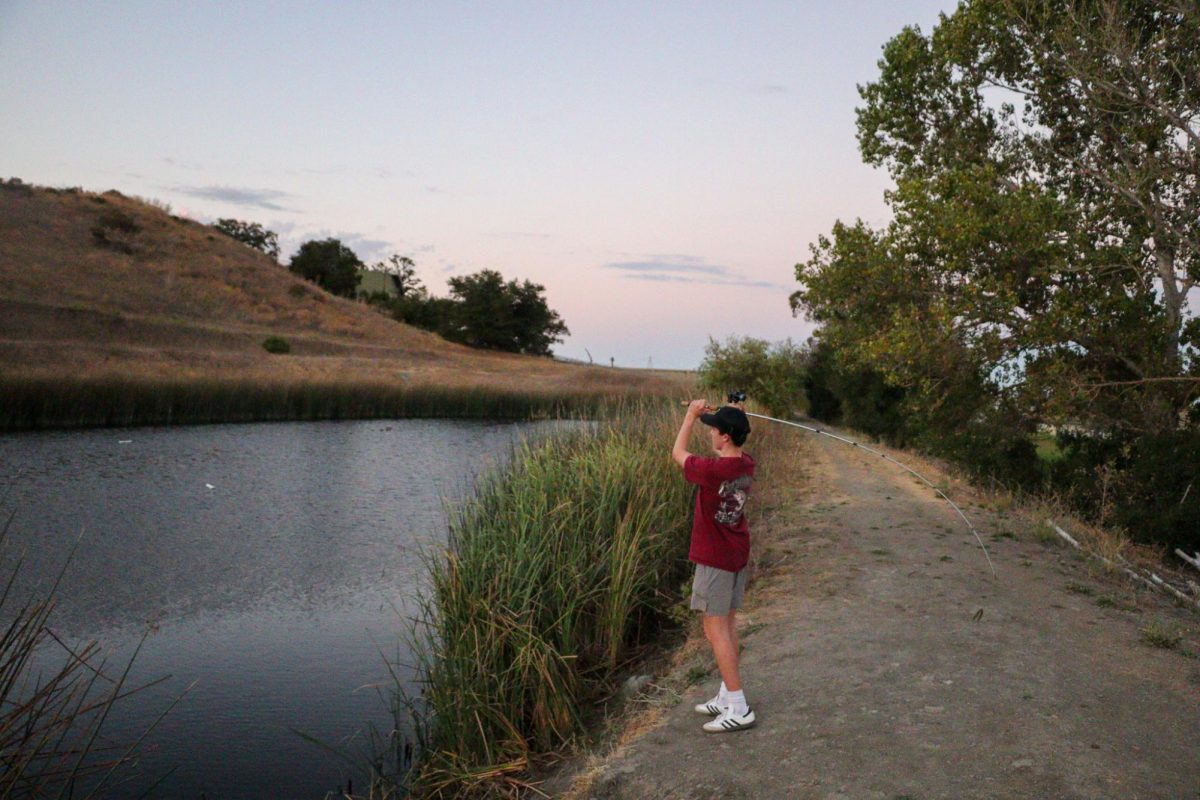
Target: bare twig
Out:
[1139,381]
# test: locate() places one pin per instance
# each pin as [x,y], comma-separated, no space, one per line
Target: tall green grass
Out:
[28,403]
[555,571]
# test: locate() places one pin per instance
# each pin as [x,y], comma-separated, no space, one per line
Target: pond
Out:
[273,566]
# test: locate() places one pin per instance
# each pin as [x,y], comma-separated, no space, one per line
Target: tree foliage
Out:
[412,303]
[1038,253]
[770,374]
[251,234]
[330,264]
[1046,161]
[495,314]
[404,269]
[483,310]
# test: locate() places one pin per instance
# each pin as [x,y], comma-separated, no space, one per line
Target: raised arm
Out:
[680,452]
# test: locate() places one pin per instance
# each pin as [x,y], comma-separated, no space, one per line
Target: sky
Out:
[658,167]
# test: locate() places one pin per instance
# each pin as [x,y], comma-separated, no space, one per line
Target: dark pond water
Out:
[273,565]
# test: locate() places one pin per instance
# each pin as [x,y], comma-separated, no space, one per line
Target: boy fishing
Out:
[720,548]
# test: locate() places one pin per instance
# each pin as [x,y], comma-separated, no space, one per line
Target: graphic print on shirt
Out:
[733,499]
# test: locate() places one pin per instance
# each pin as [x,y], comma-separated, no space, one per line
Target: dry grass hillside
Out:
[103,286]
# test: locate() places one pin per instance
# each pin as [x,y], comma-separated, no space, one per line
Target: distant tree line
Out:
[482,310]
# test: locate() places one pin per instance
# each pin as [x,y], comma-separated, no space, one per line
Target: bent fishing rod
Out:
[739,398]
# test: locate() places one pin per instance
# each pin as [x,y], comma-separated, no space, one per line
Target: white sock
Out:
[723,694]
[737,702]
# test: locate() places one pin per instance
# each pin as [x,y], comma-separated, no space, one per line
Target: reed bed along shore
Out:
[558,572]
[40,403]
[555,570]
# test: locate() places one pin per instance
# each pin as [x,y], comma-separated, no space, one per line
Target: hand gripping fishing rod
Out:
[739,398]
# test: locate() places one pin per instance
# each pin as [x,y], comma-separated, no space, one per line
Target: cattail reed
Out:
[32,403]
[556,570]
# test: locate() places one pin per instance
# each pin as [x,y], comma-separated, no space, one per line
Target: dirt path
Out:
[872,677]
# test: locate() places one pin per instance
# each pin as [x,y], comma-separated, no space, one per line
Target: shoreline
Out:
[560,578]
[560,574]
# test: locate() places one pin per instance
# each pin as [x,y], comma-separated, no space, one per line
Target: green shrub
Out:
[772,375]
[966,424]
[869,403]
[1157,633]
[859,398]
[992,447]
[276,344]
[1146,484]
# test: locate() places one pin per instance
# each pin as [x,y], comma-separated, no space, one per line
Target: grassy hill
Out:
[114,311]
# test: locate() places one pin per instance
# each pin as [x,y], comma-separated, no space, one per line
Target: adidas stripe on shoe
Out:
[712,708]
[729,722]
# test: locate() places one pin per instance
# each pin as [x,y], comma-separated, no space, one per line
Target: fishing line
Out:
[853,443]
[740,397]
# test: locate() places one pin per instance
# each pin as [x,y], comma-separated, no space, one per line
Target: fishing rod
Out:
[739,397]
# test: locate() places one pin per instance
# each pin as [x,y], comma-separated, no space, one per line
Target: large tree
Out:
[1040,257]
[495,314]
[404,270]
[330,264]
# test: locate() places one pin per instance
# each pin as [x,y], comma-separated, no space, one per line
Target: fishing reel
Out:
[737,396]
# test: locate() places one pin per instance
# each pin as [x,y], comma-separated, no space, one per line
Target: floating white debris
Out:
[124,441]
[209,486]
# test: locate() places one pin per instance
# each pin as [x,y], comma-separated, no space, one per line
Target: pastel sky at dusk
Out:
[659,167]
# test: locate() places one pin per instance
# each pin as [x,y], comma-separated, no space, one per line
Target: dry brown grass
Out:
[169,299]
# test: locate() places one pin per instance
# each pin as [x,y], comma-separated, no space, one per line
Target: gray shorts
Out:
[716,592]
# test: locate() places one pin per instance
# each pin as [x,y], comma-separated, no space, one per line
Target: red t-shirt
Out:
[720,534]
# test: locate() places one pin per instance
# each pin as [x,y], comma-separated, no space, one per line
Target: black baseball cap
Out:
[730,420]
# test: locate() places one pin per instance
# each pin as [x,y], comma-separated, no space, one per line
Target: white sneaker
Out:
[712,708]
[729,721]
